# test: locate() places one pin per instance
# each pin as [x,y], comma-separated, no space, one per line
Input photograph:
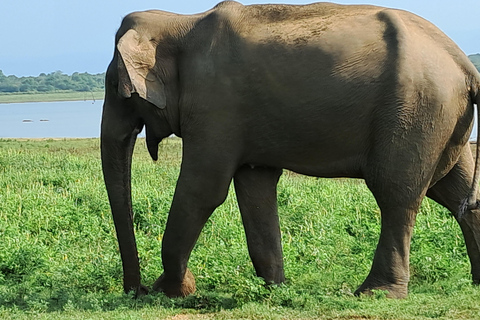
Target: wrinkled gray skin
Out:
[323,90]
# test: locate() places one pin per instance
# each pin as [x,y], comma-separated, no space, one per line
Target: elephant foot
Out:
[173,289]
[394,291]
[139,291]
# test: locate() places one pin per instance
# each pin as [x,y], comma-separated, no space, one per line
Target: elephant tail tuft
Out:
[471,202]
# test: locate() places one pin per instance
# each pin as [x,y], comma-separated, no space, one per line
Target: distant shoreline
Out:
[51,97]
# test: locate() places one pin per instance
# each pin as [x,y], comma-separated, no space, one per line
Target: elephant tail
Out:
[471,202]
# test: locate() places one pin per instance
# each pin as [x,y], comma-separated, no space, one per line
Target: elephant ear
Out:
[136,69]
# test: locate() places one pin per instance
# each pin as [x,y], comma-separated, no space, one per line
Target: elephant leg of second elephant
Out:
[449,192]
[256,190]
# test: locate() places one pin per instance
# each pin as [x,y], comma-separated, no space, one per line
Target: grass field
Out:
[48,97]
[59,256]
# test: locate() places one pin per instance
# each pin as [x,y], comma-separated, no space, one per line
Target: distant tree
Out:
[55,81]
[26,88]
[9,84]
[9,88]
[45,88]
[28,85]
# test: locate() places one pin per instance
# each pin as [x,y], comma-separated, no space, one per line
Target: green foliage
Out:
[475,58]
[59,257]
[52,82]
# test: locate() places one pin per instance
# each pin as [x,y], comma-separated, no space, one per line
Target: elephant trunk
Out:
[116,154]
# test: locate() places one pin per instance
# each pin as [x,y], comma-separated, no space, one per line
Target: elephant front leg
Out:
[197,194]
[256,190]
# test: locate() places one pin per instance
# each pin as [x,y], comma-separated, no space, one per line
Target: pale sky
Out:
[42,36]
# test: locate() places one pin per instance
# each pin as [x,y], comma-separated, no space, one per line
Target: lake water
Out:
[68,119]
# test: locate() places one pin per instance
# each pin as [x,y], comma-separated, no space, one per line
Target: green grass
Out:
[48,97]
[59,256]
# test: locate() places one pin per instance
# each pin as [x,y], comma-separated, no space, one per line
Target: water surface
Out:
[66,119]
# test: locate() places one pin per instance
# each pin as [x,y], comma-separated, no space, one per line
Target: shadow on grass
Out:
[65,300]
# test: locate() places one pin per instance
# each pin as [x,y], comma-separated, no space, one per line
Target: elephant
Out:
[323,90]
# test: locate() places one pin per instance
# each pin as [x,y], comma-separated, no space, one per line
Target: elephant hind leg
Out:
[449,192]
[390,267]
[398,194]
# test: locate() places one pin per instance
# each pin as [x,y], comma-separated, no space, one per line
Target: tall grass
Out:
[59,255]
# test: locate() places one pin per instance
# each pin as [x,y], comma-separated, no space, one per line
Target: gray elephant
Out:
[323,90]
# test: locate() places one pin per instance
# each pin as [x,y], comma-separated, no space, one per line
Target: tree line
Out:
[82,82]
[52,82]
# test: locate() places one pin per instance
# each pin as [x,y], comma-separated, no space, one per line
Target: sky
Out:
[43,36]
